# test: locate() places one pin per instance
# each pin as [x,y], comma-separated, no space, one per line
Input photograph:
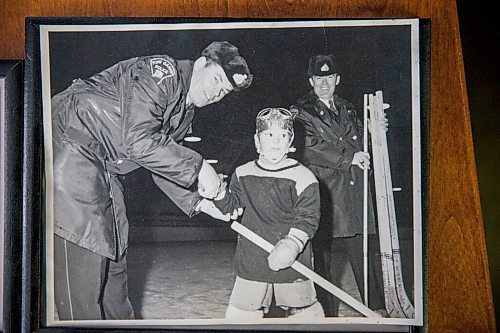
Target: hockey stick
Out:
[308,273]
[391,300]
[404,301]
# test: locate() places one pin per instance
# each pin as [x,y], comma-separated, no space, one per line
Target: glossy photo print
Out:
[232,174]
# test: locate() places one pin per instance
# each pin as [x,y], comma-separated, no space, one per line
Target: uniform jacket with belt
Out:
[326,143]
[130,115]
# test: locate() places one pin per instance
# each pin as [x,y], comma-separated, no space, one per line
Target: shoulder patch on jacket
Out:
[161,69]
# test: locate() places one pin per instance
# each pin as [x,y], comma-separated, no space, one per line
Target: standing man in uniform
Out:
[133,114]
[330,143]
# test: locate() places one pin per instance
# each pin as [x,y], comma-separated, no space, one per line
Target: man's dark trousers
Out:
[89,286]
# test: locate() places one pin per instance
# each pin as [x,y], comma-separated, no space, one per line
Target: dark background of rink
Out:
[367,58]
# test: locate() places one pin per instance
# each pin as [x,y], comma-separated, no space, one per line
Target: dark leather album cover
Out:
[11,166]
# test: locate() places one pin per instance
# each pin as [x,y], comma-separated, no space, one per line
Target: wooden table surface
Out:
[459,292]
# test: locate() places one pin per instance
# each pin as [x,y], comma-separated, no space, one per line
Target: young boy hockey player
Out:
[281,201]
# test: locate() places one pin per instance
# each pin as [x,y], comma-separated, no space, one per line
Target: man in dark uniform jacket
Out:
[133,114]
[330,143]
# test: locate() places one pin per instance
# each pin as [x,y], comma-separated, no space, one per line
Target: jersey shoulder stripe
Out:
[299,174]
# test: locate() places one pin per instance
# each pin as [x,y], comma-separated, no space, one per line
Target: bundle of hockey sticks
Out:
[397,302]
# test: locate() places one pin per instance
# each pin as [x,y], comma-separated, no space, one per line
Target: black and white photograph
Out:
[232,174]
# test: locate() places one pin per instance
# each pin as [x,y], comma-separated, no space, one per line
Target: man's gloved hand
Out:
[361,159]
[383,122]
[208,207]
[208,181]
[221,192]
[284,253]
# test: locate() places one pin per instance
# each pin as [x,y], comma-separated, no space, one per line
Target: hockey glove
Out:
[286,250]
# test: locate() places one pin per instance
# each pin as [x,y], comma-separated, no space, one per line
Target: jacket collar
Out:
[311,101]
[185,68]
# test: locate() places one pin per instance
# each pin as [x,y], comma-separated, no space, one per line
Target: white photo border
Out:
[46,29]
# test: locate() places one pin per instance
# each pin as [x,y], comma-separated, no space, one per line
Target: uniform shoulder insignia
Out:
[161,69]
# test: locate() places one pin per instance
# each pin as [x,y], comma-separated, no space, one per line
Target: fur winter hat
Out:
[227,56]
[321,65]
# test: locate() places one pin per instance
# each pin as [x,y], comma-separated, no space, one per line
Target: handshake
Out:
[212,186]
